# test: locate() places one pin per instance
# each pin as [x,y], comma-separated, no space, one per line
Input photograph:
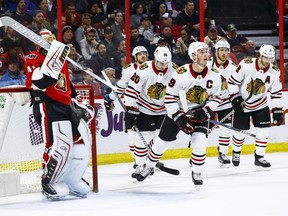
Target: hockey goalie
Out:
[63,117]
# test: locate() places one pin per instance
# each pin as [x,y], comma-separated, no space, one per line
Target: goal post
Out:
[21,142]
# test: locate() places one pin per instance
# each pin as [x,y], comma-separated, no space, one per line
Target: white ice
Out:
[230,191]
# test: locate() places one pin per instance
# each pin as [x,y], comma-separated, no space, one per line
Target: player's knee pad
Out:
[262,133]
[61,149]
[131,137]
[160,146]
[199,142]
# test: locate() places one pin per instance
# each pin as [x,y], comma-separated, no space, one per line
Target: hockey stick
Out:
[158,164]
[183,101]
[27,33]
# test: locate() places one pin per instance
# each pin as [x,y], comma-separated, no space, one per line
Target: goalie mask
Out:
[47,35]
[268,51]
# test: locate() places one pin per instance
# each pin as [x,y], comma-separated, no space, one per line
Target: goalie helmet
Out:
[137,50]
[163,55]
[222,44]
[195,46]
[267,51]
[47,35]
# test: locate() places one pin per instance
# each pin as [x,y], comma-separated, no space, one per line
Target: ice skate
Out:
[49,193]
[261,163]
[223,160]
[147,171]
[236,158]
[138,169]
[197,180]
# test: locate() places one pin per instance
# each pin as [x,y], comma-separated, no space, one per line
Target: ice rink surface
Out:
[226,191]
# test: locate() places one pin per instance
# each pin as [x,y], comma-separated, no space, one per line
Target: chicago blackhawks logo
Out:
[181,70]
[257,87]
[143,66]
[224,84]
[61,83]
[156,91]
[248,60]
[126,66]
[175,66]
[197,95]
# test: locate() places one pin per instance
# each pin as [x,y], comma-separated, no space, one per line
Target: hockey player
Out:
[64,124]
[140,55]
[144,100]
[248,87]
[224,66]
[202,90]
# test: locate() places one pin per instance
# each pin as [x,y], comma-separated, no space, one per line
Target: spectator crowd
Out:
[95,33]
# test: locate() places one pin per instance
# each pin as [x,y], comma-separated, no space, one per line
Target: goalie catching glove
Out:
[201,115]
[277,114]
[108,103]
[183,122]
[83,109]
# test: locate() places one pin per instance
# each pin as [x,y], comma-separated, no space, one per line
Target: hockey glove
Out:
[108,103]
[237,101]
[201,115]
[83,109]
[277,116]
[131,116]
[183,122]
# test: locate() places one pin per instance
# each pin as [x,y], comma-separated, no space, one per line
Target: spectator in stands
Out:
[49,16]
[156,15]
[107,7]
[12,75]
[138,12]
[248,51]
[181,56]
[68,37]
[89,80]
[234,39]
[100,60]
[118,68]
[189,17]
[111,74]
[73,19]
[20,14]
[98,18]
[38,22]
[10,35]
[138,40]
[167,35]
[14,50]
[146,29]
[208,16]
[76,57]
[212,37]
[121,48]
[81,6]
[85,24]
[118,27]
[4,9]
[175,28]
[109,41]
[88,44]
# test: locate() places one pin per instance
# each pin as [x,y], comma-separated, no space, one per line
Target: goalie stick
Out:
[183,101]
[27,33]
[159,165]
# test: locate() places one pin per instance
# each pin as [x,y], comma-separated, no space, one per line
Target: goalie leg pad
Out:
[56,167]
[79,162]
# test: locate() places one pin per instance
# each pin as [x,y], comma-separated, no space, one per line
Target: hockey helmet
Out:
[222,44]
[195,46]
[47,35]
[137,50]
[163,55]
[267,51]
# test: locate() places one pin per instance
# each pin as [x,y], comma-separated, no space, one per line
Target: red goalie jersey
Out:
[45,88]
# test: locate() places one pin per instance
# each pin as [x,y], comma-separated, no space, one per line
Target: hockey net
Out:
[21,142]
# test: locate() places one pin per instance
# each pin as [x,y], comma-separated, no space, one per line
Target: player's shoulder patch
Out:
[275,67]
[247,60]
[181,70]
[214,70]
[126,66]
[143,66]
[31,56]
[175,66]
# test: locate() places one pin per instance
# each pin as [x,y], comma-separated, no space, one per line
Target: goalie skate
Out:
[261,164]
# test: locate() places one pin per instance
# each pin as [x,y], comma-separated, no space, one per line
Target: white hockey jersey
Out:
[147,87]
[121,85]
[202,89]
[225,71]
[253,84]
